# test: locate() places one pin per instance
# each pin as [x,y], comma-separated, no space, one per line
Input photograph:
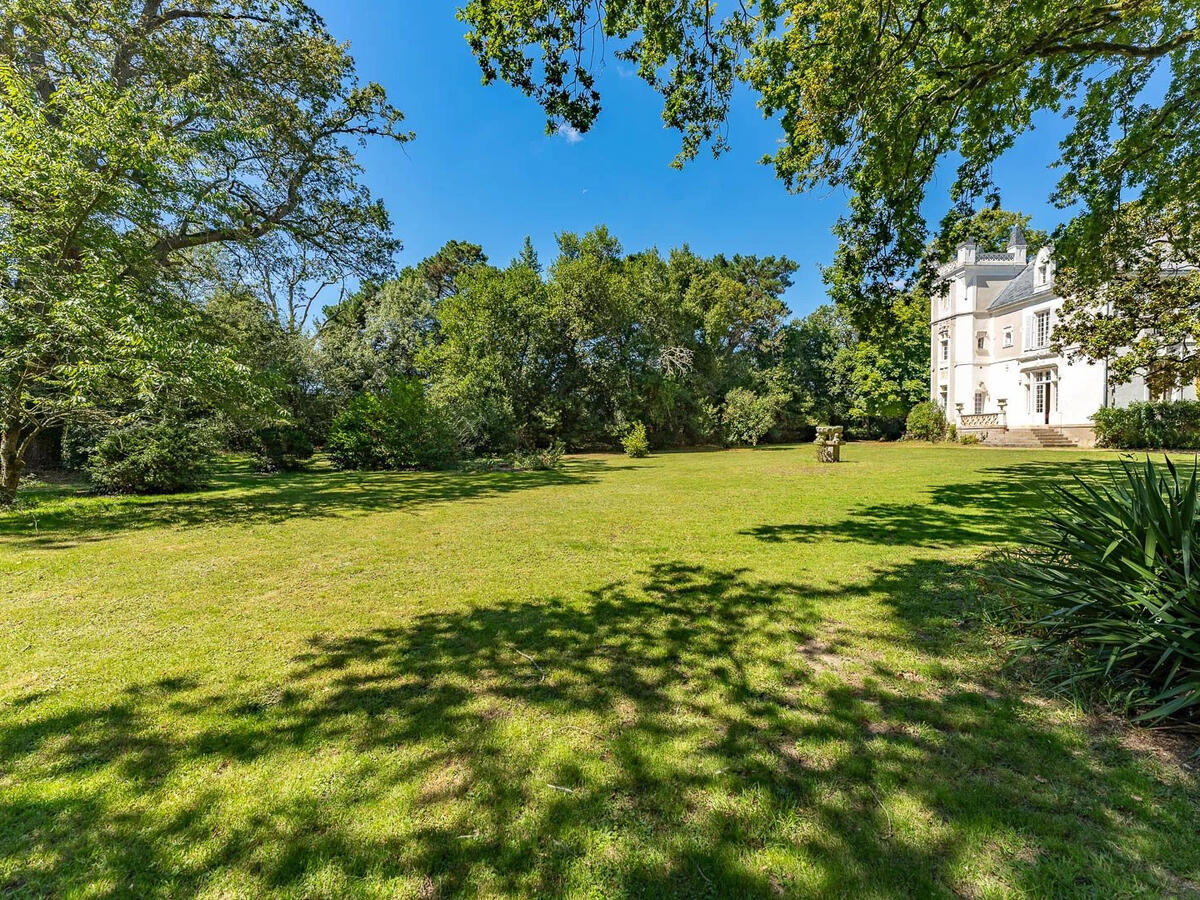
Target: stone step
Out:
[1031,437]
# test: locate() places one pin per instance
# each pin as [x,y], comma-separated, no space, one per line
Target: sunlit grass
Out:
[723,674]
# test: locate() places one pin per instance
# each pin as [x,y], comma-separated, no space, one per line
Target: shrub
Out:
[79,439]
[635,442]
[952,432]
[536,460]
[970,438]
[395,429]
[153,457]
[748,416]
[1157,426]
[926,422]
[282,448]
[1116,576]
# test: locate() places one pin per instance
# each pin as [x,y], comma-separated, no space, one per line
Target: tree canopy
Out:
[134,134]
[874,96]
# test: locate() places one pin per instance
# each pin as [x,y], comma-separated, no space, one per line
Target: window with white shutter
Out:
[1042,329]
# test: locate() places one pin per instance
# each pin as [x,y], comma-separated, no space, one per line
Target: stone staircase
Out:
[1041,437]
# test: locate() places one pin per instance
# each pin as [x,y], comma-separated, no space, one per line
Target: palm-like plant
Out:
[1116,574]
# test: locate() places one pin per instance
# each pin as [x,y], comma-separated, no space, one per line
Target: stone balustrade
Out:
[979,420]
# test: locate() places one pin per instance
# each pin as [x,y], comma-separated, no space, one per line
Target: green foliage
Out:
[1137,303]
[374,335]
[969,439]
[603,340]
[636,443]
[454,259]
[495,363]
[153,457]
[79,438]
[1115,575]
[1154,426]
[396,428]
[926,422]
[814,365]
[282,448]
[133,136]
[278,363]
[538,460]
[876,98]
[748,416]
[952,432]
[887,370]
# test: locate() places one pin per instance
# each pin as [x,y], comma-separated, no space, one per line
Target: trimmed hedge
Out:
[1150,426]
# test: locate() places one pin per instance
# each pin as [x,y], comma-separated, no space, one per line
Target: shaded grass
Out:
[721,674]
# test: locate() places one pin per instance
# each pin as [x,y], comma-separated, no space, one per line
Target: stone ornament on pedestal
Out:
[829,443]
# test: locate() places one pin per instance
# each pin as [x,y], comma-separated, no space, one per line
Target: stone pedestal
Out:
[829,443]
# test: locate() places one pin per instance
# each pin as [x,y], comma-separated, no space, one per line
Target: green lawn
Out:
[726,674]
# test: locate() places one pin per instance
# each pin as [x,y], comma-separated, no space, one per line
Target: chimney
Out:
[966,253]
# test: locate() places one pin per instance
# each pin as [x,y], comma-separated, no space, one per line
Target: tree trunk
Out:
[12,462]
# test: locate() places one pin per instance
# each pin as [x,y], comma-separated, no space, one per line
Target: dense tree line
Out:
[697,350]
[458,357]
[519,356]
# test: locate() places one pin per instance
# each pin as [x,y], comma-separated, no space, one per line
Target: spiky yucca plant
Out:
[1116,575]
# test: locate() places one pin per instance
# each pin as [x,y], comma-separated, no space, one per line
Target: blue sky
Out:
[483,169]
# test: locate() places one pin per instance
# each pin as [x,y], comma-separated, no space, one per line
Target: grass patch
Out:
[696,674]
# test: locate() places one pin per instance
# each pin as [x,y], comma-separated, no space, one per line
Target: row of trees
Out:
[697,350]
[181,196]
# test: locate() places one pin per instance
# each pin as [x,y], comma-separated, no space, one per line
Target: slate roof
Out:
[1020,288]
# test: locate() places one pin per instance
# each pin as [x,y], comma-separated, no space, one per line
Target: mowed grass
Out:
[726,674]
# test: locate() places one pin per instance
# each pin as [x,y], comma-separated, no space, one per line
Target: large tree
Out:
[374,335]
[1137,303]
[133,133]
[874,96]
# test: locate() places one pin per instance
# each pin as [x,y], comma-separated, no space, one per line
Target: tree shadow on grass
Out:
[239,496]
[1001,506]
[666,735]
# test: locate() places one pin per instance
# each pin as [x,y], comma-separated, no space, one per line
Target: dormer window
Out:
[1042,270]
